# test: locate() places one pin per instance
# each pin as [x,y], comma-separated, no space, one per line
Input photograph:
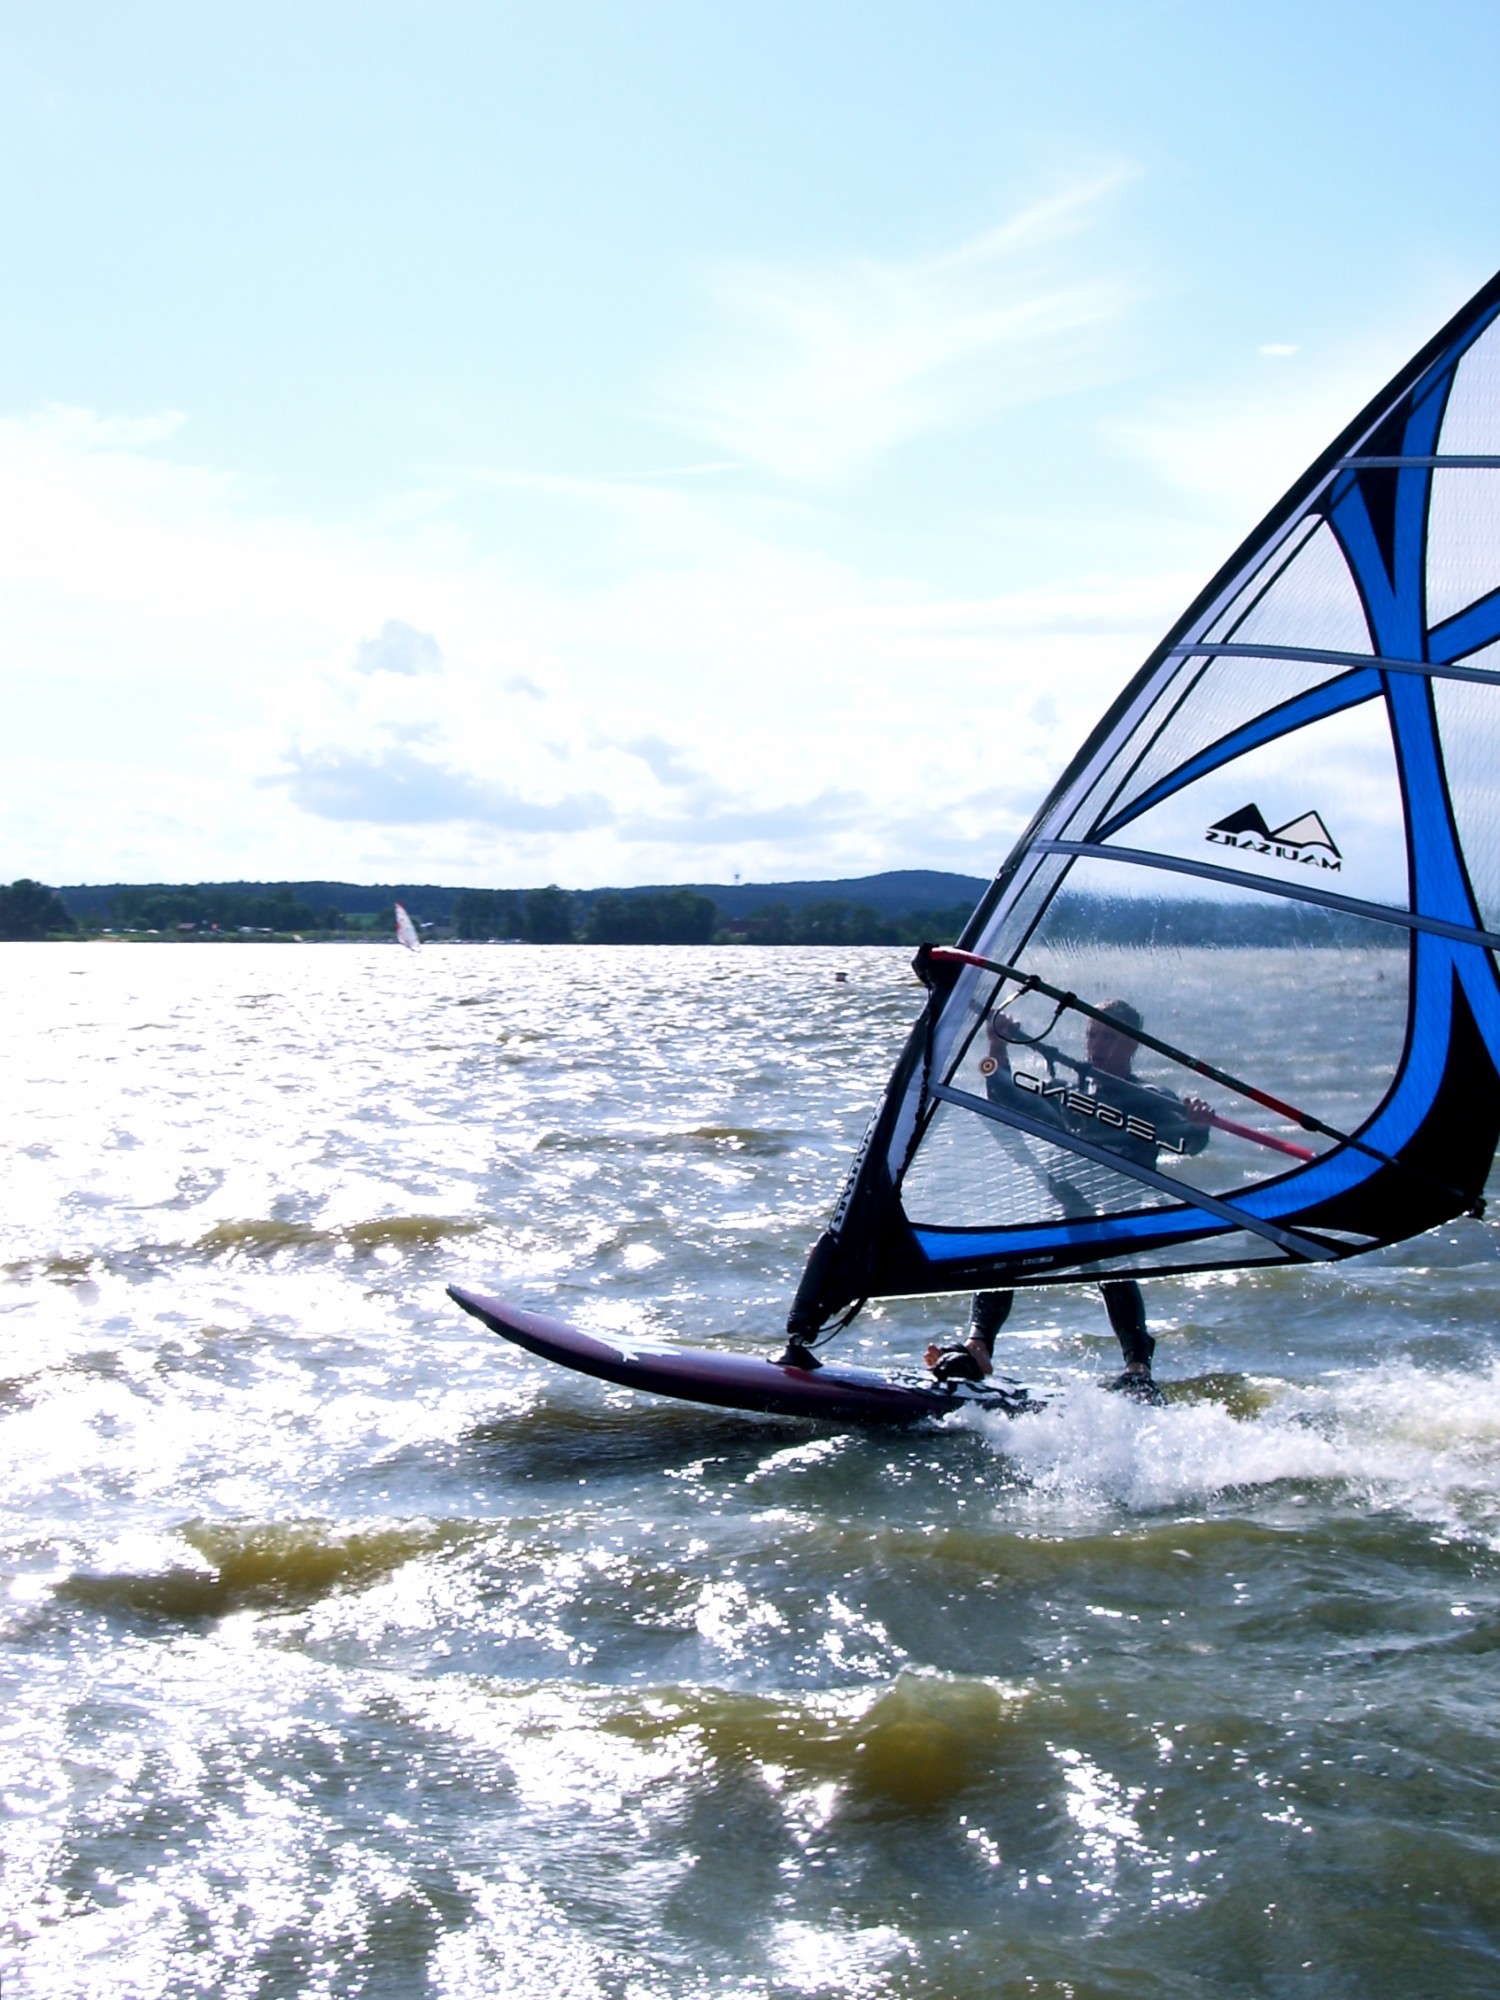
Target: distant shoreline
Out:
[899,907]
[466,944]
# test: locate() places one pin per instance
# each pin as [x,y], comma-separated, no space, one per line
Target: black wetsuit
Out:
[1135,1120]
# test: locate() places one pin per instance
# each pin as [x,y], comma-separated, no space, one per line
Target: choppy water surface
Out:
[349,1652]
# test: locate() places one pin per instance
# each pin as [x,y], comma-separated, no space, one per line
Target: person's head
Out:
[1110,1044]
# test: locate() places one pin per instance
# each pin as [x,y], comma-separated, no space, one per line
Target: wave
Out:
[264,1236]
[915,1745]
[269,1566]
[552,1438]
[61,1270]
[761,1142]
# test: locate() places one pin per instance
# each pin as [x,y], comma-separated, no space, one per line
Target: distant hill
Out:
[893,894]
[897,892]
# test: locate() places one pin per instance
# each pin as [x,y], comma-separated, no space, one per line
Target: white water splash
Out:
[1421,1441]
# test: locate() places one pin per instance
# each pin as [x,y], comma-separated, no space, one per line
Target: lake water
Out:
[348,1651]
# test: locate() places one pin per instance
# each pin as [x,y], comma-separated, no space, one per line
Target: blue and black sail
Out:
[1279,852]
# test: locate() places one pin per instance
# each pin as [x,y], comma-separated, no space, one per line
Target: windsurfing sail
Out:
[406,930]
[1280,849]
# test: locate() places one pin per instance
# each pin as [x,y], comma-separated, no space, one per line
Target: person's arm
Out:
[1182,1121]
[1000,1031]
[1197,1115]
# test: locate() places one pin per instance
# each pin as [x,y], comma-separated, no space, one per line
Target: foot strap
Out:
[957,1364]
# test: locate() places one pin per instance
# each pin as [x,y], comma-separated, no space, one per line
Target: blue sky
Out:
[625,443]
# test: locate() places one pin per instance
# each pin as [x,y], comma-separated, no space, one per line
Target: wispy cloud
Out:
[400,649]
[815,374]
[664,761]
[700,811]
[86,430]
[734,825]
[400,787]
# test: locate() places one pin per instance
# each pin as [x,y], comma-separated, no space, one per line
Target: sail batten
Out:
[1295,892]
[1238,1218]
[1460,461]
[1447,670]
[1280,848]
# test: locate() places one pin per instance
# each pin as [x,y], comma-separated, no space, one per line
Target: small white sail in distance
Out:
[406,930]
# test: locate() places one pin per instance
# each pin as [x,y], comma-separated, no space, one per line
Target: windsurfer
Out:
[1181,1123]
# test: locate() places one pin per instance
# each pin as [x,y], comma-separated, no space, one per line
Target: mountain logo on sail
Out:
[1299,840]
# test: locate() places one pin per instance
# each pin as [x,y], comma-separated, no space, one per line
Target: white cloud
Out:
[189,695]
[402,786]
[731,826]
[399,649]
[815,374]
[665,762]
[86,431]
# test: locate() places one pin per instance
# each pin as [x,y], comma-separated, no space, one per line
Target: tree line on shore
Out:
[31,910]
[550,915]
[683,916]
[662,916]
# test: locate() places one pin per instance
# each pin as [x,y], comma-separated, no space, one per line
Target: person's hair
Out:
[1122,1014]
